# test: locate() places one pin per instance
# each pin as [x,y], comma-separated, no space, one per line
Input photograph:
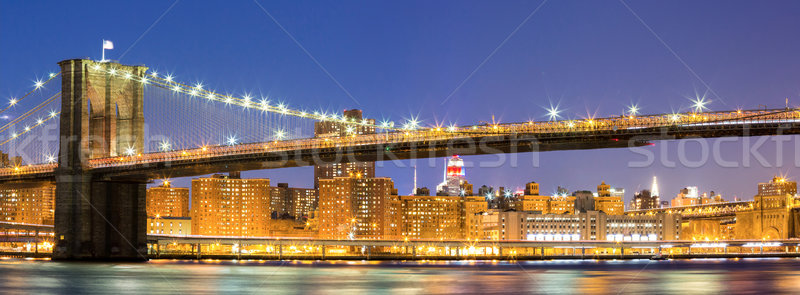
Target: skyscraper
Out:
[356,207]
[337,129]
[654,189]
[454,183]
[230,206]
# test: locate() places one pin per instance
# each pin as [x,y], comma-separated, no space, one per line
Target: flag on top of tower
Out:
[107,44]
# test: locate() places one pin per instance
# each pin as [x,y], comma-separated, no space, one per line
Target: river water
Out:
[698,276]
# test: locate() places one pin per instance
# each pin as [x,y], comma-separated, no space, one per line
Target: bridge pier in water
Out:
[99,217]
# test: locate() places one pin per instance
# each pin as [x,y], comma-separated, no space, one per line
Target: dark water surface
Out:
[699,276]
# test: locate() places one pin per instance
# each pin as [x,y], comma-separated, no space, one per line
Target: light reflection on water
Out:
[755,276]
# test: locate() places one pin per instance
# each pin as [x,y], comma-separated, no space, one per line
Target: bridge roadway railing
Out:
[553,131]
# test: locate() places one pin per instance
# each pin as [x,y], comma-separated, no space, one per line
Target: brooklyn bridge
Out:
[121,126]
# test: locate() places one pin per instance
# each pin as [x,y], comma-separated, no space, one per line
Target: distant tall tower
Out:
[654,188]
[454,177]
[414,191]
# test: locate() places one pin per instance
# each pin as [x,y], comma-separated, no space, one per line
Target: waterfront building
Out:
[169,225]
[338,129]
[227,205]
[584,201]
[592,225]
[28,203]
[356,207]
[487,225]
[438,217]
[167,201]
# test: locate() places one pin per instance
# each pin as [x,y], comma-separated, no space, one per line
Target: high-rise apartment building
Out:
[168,201]
[32,204]
[230,206]
[357,207]
[302,202]
[336,129]
[292,201]
[438,217]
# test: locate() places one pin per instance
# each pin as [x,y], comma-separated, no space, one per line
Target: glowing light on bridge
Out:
[168,78]
[38,84]
[231,140]
[154,74]
[12,101]
[633,110]
[553,113]
[50,158]
[130,151]
[699,104]
[411,124]
[164,146]
[51,75]
[279,134]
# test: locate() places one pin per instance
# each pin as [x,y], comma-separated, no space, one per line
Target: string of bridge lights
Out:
[168,81]
[37,84]
[246,101]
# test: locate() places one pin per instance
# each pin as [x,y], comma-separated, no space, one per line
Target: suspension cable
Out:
[30,112]
[38,86]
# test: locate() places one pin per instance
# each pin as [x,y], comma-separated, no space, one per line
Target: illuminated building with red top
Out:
[454,178]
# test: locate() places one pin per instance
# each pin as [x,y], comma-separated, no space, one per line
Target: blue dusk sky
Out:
[460,62]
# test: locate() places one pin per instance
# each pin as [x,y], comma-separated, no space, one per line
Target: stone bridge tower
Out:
[97,217]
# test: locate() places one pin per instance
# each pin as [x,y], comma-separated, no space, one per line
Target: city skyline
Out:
[623,47]
[421,147]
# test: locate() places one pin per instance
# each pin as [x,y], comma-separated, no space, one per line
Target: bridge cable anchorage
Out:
[31,112]
[38,85]
[199,91]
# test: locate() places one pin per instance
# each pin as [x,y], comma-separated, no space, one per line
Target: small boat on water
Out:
[658,257]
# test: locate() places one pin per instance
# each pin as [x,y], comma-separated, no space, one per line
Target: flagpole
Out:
[104,52]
